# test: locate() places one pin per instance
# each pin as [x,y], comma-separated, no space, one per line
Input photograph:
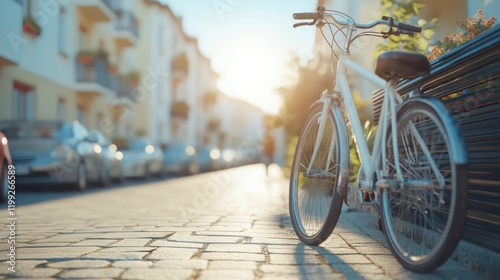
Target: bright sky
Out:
[249,42]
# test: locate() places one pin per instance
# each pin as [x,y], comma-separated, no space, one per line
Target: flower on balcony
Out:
[213,124]
[133,77]
[85,57]
[179,109]
[102,55]
[469,29]
[210,98]
[180,63]
[112,69]
[31,27]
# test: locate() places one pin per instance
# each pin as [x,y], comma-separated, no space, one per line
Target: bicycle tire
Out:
[315,202]
[424,225]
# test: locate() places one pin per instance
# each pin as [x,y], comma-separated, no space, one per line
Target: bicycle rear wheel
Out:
[423,223]
[315,199]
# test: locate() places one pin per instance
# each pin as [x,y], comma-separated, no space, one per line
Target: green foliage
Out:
[406,11]
[307,83]
[468,30]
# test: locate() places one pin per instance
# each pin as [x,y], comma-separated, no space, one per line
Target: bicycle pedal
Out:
[366,198]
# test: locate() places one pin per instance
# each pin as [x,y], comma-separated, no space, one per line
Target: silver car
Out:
[180,159]
[141,159]
[51,152]
[112,157]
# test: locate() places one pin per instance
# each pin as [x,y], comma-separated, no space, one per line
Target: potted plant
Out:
[179,109]
[31,27]
[85,57]
[133,77]
[180,63]
[102,55]
[112,69]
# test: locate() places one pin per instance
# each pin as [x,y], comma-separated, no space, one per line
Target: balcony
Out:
[93,78]
[127,29]
[179,109]
[96,10]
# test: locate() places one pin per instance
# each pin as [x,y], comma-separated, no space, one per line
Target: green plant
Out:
[469,29]
[406,11]
[102,54]
[31,26]
[133,76]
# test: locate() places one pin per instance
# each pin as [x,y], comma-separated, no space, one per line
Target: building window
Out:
[80,115]
[61,109]
[63,23]
[82,38]
[23,102]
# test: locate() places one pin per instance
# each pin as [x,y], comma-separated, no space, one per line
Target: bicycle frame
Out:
[369,163]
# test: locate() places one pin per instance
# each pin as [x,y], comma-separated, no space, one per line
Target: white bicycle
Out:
[415,174]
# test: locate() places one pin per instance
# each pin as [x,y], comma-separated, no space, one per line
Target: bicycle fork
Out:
[322,123]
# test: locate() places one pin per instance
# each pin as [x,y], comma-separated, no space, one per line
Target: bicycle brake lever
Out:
[304,23]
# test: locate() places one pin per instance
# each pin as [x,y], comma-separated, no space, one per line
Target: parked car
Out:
[180,159]
[112,157]
[52,152]
[207,158]
[229,158]
[5,161]
[141,159]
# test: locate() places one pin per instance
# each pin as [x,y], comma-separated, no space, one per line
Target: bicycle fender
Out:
[458,146]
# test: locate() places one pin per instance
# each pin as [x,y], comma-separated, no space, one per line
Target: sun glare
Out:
[251,69]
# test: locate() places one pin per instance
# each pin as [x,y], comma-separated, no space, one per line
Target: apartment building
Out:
[124,67]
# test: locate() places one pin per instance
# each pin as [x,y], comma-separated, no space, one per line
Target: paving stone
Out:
[355,270]
[347,259]
[175,244]
[80,264]
[52,253]
[126,249]
[65,238]
[275,241]
[235,265]
[295,269]
[172,254]
[183,264]
[115,256]
[36,272]
[205,239]
[143,234]
[40,245]
[156,273]
[132,264]
[293,259]
[94,242]
[132,242]
[233,256]
[111,272]
[242,248]
[220,274]
[335,276]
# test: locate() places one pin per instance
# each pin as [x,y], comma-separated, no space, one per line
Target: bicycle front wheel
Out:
[316,197]
[423,220]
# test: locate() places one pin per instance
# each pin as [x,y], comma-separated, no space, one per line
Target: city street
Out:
[230,224]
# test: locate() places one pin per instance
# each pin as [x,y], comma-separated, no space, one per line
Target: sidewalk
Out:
[226,225]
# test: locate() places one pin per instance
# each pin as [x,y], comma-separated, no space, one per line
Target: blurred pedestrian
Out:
[269,148]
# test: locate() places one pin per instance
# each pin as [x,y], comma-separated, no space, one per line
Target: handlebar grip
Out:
[409,27]
[305,15]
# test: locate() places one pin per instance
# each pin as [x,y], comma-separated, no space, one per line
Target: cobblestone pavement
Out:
[230,224]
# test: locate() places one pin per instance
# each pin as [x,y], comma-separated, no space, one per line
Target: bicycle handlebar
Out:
[388,21]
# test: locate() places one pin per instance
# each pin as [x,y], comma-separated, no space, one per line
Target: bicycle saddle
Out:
[398,64]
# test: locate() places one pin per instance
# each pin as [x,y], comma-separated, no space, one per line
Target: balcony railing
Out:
[96,72]
[109,4]
[127,22]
